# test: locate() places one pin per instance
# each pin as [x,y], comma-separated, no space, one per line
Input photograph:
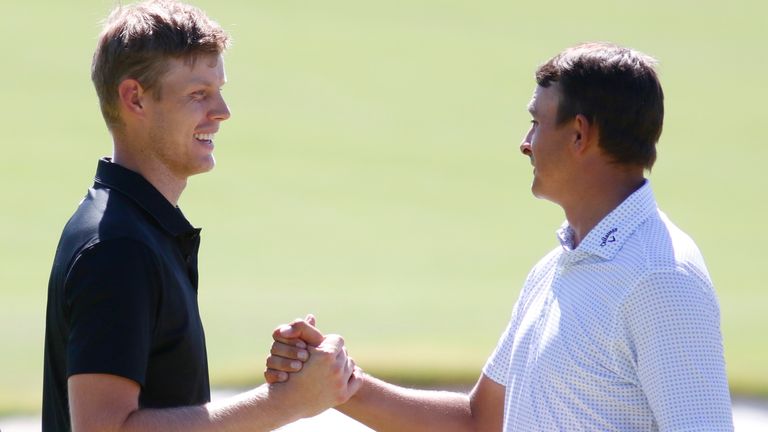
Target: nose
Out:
[525,146]
[220,111]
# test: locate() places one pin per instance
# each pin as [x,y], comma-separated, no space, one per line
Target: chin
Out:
[204,166]
[536,189]
[539,192]
[211,163]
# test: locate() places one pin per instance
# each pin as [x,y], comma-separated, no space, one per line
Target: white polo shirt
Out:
[620,334]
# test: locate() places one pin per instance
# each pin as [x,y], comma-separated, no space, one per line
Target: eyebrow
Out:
[205,83]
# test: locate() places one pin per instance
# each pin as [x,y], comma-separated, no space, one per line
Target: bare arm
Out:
[386,407]
[100,402]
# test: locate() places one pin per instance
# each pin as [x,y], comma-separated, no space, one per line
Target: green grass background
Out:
[370,173]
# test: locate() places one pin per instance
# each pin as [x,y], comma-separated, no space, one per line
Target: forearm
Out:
[261,409]
[386,407]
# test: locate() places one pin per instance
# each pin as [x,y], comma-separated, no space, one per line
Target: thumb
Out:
[303,330]
[355,382]
[311,319]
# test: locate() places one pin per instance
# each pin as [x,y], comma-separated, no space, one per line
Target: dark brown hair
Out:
[138,39]
[617,89]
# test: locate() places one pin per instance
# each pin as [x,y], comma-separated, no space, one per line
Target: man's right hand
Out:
[326,379]
[289,348]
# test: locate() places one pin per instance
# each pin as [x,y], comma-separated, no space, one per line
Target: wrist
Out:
[283,401]
[366,382]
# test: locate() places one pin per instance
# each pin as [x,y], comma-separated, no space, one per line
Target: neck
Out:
[595,199]
[153,170]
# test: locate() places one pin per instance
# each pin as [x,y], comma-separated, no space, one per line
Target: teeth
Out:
[204,137]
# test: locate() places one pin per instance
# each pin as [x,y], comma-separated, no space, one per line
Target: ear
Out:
[583,134]
[130,96]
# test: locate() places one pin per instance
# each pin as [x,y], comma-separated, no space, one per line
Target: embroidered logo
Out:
[608,237]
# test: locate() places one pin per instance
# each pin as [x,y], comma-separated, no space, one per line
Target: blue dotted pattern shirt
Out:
[621,333]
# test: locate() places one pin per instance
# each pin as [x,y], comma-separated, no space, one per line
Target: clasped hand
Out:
[313,367]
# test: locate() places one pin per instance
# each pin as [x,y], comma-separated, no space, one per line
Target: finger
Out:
[349,368]
[311,319]
[299,329]
[357,373]
[288,351]
[334,343]
[355,382]
[272,376]
[284,333]
[295,342]
[283,364]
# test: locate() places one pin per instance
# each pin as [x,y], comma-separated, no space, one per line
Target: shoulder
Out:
[545,264]
[107,234]
[665,248]
[103,215]
[119,265]
[539,272]
[666,268]
[114,258]
[117,249]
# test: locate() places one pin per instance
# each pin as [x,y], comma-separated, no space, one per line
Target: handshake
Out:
[309,372]
[312,370]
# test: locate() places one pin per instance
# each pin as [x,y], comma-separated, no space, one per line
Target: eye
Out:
[200,94]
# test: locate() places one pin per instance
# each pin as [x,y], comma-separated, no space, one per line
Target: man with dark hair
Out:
[616,329]
[124,344]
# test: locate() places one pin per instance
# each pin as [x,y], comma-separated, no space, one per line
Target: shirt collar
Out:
[137,188]
[610,234]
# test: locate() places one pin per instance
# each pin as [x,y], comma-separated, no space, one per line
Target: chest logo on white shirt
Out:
[608,237]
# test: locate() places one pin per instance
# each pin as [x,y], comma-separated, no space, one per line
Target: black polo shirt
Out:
[122,298]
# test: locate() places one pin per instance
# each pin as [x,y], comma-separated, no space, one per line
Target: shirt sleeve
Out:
[672,321]
[497,366]
[112,294]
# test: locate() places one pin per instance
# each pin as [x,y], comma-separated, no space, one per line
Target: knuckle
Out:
[270,375]
[276,331]
[270,362]
[337,370]
[323,355]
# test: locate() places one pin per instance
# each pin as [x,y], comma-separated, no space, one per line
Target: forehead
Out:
[544,99]
[207,69]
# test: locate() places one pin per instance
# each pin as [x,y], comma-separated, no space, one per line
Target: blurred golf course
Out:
[370,172]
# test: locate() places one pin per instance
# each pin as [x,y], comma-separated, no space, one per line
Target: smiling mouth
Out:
[204,137]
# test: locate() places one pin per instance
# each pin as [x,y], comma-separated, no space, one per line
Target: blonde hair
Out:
[138,39]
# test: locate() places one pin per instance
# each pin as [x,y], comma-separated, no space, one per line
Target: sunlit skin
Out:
[569,167]
[546,144]
[169,129]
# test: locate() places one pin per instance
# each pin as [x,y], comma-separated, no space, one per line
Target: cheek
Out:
[537,139]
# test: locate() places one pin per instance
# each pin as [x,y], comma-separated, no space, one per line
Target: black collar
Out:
[137,188]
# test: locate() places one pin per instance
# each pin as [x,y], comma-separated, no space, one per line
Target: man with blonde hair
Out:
[124,346]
